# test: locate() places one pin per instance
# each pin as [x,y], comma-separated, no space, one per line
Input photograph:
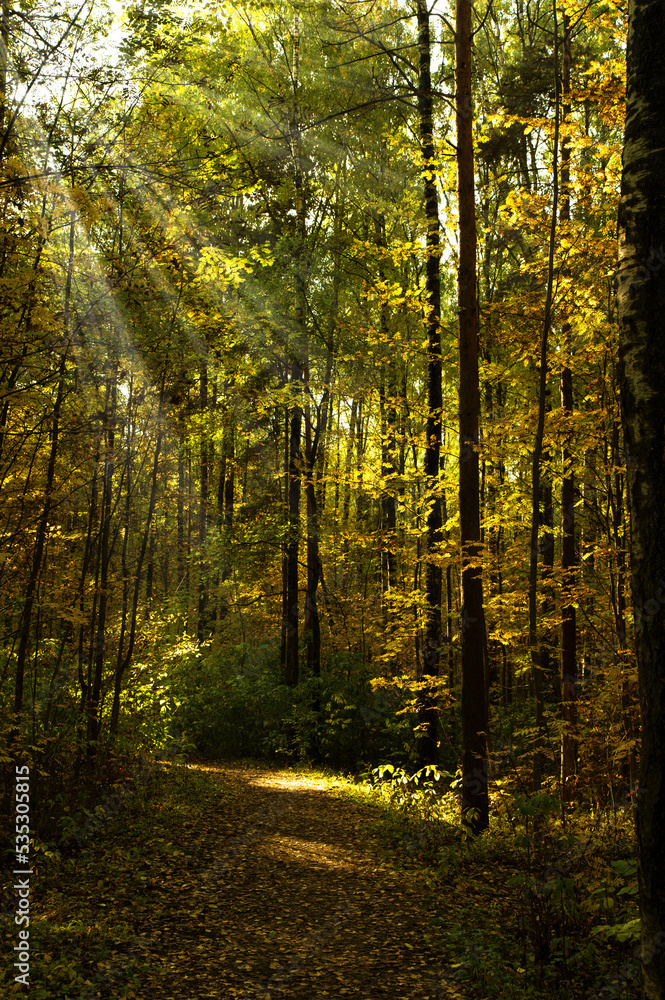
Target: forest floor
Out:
[235,880]
[289,897]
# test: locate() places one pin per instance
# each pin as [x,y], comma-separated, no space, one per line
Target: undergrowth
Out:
[85,940]
[543,903]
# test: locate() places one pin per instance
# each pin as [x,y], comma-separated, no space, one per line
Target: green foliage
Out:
[236,704]
[520,906]
[606,900]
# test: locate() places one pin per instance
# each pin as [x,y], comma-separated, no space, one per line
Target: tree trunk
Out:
[87,554]
[389,474]
[568,626]
[180,514]
[350,442]
[431,651]
[93,708]
[641,306]
[537,456]
[293,542]
[312,625]
[225,496]
[285,545]
[188,564]
[126,579]
[4,56]
[475,799]
[388,419]
[202,622]
[297,349]
[615,492]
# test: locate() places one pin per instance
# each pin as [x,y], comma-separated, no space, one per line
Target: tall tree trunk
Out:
[4,59]
[388,417]
[126,579]
[547,639]
[180,514]
[568,626]
[362,424]
[350,442]
[150,577]
[225,495]
[617,536]
[475,798]
[537,456]
[388,475]
[293,539]
[298,351]
[641,305]
[427,710]
[285,543]
[87,555]
[311,623]
[203,582]
[99,649]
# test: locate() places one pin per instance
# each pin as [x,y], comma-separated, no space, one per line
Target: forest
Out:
[313,464]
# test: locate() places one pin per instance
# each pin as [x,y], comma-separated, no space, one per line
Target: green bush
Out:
[237,705]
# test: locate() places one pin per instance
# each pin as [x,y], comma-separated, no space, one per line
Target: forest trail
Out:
[291,899]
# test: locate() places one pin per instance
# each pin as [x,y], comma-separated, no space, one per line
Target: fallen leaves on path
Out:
[286,895]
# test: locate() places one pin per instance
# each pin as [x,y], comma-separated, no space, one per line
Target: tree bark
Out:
[225,496]
[536,458]
[569,625]
[126,579]
[4,57]
[202,622]
[388,417]
[350,442]
[475,798]
[180,516]
[285,544]
[311,622]
[641,307]
[297,348]
[431,651]
[99,648]
[617,537]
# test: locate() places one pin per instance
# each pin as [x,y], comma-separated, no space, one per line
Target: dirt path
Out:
[290,899]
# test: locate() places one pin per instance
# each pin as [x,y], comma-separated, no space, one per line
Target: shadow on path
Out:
[289,897]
